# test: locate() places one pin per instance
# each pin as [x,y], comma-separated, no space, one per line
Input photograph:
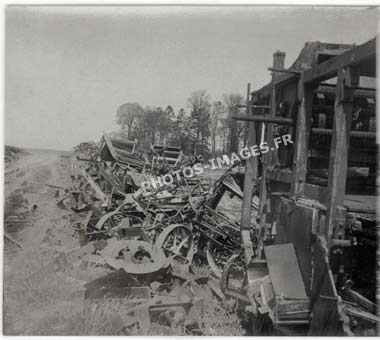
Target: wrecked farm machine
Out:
[301,257]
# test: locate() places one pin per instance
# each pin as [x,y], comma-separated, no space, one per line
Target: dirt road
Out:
[27,198]
[30,211]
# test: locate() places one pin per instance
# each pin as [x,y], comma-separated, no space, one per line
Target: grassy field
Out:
[37,302]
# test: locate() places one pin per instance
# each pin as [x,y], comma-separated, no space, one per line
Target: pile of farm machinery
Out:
[300,258]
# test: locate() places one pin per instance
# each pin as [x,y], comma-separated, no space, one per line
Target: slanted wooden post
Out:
[340,141]
[305,100]
[250,175]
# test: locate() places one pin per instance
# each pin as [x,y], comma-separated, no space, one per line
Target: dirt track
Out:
[25,187]
[30,210]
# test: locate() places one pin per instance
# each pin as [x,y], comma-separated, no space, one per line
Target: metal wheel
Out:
[223,240]
[218,255]
[177,241]
[135,257]
[113,219]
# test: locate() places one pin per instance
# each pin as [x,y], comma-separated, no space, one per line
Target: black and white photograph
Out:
[190,170]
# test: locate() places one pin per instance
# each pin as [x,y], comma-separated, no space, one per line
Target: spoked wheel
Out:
[222,242]
[114,219]
[177,241]
[218,253]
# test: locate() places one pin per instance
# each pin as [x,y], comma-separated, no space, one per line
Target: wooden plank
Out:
[110,146]
[284,271]
[330,67]
[297,228]
[325,305]
[347,79]
[305,98]
[361,203]
[368,305]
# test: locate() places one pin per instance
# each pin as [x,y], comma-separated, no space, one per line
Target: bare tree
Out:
[126,116]
[218,110]
[232,102]
[199,104]
[153,115]
[165,124]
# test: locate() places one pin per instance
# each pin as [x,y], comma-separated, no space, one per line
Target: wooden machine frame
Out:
[322,215]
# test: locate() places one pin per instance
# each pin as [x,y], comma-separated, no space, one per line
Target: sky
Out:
[68,68]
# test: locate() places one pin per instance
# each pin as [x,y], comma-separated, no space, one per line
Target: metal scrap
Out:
[149,238]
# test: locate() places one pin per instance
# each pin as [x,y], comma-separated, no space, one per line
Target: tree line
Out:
[202,127]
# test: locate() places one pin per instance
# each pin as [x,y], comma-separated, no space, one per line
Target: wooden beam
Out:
[305,99]
[330,67]
[284,71]
[256,106]
[324,70]
[269,159]
[355,134]
[250,175]
[264,119]
[347,79]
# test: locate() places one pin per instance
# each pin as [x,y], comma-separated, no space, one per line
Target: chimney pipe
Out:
[279,60]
